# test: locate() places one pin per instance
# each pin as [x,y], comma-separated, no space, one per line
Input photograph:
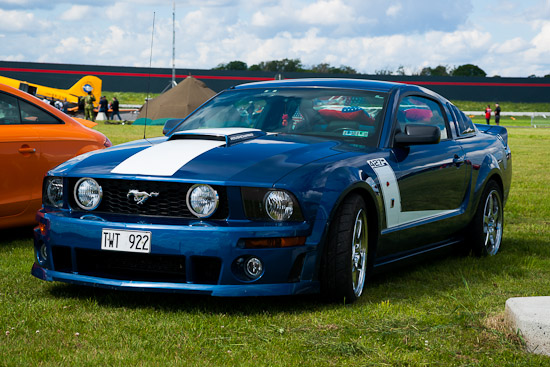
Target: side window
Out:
[415,110]
[465,124]
[9,110]
[30,114]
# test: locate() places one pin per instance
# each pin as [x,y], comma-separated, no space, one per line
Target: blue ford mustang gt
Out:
[277,188]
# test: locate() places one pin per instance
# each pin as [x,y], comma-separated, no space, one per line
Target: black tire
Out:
[344,262]
[486,229]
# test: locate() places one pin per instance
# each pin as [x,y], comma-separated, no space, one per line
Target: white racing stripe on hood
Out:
[166,158]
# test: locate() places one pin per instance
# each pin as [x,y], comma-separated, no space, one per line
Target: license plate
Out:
[127,241]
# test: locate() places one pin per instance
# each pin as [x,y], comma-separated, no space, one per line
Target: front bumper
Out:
[193,257]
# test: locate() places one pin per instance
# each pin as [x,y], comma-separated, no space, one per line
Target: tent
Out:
[178,102]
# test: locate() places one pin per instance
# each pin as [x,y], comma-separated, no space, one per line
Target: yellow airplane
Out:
[79,89]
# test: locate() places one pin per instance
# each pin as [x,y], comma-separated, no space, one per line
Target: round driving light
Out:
[202,200]
[54,192]
[253,268]
[42,255]
[88,193]
[44,252]
[279,205]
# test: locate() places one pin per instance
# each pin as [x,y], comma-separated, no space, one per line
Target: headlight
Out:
[268,204]
[202,200]
[53,193]
[279,205]
[88,193]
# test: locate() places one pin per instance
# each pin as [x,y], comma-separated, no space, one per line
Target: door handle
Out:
[26,150]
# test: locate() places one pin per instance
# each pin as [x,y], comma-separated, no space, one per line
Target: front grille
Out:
[131,266]
[171,201]
[137,267]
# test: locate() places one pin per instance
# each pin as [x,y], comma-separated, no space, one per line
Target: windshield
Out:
[334,113]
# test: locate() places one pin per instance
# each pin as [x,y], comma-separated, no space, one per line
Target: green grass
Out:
[443,312]
[129,97]
[505,106]
[118,133]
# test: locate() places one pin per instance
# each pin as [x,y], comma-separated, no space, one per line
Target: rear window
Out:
[464,123]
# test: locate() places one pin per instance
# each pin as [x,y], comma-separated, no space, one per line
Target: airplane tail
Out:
[86,84]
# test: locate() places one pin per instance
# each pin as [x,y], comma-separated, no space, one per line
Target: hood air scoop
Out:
[229,135]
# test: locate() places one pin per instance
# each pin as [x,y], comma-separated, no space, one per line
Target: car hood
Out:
[222,156]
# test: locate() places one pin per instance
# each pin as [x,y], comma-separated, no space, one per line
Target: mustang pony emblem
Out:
[141,196]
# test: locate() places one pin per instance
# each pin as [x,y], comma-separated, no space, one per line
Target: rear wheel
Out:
[487,226]
[344,262]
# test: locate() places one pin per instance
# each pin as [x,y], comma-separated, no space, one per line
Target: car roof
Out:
[366,84]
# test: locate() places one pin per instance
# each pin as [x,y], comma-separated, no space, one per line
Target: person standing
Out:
[65,106]
[89,106]
[488,114]
[497,113]
[115,109]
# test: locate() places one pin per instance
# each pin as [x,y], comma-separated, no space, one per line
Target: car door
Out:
[19,158]
[432,178]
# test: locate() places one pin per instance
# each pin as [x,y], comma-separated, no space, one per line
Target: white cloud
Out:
[76,12]
[394,10]
[367,35]
[20,21]
[542,40]
[511,46]
[326,12]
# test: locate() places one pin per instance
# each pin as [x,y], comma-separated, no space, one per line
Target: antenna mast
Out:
[174,44]
[173,83]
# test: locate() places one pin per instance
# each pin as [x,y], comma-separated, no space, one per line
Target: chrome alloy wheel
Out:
[359,253]
[492,222]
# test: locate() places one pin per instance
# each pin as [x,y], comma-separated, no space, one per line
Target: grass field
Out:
[444,312]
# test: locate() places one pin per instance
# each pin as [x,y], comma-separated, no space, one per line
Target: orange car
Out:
[34,137]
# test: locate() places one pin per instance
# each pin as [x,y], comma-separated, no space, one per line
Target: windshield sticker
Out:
[357,133]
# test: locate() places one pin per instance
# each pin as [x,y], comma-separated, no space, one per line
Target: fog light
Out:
[42,255]
[253,268]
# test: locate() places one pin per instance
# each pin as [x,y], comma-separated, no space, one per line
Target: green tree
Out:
[284,65]
[468,70]
[326,68]
[400,70]
[383,72]
[439,70]
[232,65]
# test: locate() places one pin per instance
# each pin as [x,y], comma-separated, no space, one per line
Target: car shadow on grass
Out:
[174,302]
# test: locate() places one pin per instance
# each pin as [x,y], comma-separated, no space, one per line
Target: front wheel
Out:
[487,225]
[344,263]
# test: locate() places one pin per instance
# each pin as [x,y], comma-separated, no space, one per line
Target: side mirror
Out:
[418,134]
[169,125]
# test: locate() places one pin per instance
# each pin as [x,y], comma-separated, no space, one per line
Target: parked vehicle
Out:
[277,188]
[34,138]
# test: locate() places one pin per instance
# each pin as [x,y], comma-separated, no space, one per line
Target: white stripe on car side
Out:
[390,190]
[392,197]
[166,158]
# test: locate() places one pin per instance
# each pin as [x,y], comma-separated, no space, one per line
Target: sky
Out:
[503,37]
